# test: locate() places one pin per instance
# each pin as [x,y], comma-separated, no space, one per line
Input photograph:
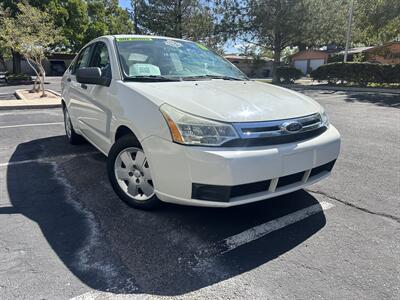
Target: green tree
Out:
[71,16]
[325,23]
[68,15]
[270,24]
[29,32]
[11,7]
[376,21]
[4,55]
[188,19]
[163,17]
[107,17]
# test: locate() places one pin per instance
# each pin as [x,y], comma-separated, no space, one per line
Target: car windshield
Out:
[168,59]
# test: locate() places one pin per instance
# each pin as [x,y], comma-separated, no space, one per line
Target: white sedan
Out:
[181,124]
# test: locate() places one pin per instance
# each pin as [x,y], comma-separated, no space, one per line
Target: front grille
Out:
[277,140]
[324,168]
[249,188]
[290,179]
[223,193]
[276,132]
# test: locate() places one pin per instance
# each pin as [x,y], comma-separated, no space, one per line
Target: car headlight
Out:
[192,130]
[324,119]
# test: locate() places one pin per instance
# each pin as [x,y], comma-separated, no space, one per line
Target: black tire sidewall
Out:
[121,144]
[74,139]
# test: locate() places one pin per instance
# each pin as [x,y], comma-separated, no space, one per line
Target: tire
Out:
[129,174]
[72,137]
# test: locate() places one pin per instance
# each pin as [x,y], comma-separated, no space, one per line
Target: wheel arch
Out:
[123,130]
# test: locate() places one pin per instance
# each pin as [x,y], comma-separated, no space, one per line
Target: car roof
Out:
[144,36]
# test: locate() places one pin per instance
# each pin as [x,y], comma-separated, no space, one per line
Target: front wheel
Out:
[129,174]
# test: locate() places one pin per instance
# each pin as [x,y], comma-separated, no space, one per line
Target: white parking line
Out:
[31,125]
[49,111]
[259,231]
[97,295]
[254,233]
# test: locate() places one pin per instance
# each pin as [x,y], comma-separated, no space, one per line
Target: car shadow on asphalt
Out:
[112,247]
[384,99]
[387,100]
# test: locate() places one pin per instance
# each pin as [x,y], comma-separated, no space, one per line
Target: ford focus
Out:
[181,124]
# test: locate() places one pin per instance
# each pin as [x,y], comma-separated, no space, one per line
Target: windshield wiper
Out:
[205,77]
[151,78]
[223,77]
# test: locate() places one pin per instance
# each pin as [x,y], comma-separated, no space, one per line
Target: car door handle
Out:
[84,86]
[69,79]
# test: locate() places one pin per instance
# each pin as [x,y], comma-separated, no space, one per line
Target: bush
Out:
[391,73]
[18,78]
[359,73]
[335,58]
[288,74]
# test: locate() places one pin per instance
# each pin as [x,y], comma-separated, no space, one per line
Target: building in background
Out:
[252,67]
[351,54]
[309,60]
[385,54]
[54,65]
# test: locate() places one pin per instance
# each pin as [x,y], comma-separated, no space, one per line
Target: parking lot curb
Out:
[341,88]
[23,103]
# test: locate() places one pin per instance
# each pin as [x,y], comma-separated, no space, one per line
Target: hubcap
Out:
[133,174]
[67,122]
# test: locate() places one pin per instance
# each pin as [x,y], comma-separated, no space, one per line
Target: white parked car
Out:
[181,124]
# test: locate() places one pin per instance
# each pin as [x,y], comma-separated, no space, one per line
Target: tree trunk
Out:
[34,89]
[43,74]
[16,62]
[277,62]
[136,9]
[36,85]
[178,25]
[3,62]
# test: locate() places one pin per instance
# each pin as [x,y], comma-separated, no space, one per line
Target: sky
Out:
[228,48]
[125,3]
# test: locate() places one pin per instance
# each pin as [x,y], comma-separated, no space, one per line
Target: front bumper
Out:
[178,171]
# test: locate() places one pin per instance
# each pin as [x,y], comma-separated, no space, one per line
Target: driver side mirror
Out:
[92,75]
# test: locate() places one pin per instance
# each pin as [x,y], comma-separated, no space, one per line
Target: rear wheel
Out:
[129,174]
[72,136]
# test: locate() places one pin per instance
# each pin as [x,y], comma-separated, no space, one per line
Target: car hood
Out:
[229,101]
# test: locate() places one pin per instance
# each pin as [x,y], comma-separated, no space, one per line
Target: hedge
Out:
[11,78]
[288,74]
[360,73]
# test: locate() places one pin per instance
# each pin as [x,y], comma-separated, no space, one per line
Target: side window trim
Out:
[99,44]
[73,72]
[72,64]
[95,45]
[75,62]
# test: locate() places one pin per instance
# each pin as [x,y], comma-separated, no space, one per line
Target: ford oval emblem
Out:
[291,127]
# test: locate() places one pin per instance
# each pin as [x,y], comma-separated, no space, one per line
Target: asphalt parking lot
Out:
[65,234]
